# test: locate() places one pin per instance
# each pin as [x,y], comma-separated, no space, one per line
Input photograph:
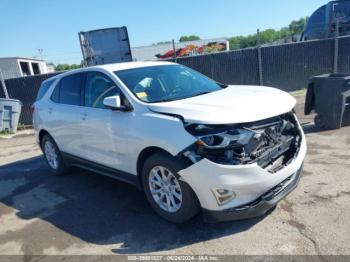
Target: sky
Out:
[53,26]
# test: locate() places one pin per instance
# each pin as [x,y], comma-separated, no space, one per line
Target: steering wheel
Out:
[175,91]
[102,96]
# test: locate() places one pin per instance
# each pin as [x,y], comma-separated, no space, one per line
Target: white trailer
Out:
[105,46]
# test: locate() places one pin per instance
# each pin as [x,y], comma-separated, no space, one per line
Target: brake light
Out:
[32,108]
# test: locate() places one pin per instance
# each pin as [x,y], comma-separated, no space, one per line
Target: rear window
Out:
[68,91]
[43,89]
[56,93]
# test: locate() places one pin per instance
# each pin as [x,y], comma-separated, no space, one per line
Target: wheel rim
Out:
[51,154]
[165,189]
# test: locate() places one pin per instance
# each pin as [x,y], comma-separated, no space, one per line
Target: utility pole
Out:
[40,50]
[261,80]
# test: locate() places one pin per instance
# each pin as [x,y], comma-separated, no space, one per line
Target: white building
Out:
[12,67]
[50,68]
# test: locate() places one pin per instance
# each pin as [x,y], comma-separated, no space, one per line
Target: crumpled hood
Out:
[232,105]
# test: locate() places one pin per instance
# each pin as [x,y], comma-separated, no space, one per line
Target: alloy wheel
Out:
[51,154]
[165,189]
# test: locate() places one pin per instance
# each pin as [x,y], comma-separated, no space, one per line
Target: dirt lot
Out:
[84,213]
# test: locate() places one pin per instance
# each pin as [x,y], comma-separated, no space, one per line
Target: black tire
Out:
[61,168]
[319,123]
[190,205]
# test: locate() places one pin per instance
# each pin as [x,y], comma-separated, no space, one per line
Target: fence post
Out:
[261,80]
[336,48]
[211,67]
[4,85]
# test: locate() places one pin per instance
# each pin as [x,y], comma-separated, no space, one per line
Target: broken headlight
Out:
[270,142]
[236,137]
[224,146]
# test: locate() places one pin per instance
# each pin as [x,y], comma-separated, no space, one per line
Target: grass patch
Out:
[21,126]
[300,92]
[5,133]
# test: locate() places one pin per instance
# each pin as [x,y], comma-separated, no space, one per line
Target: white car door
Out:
[102,128]
[64,115]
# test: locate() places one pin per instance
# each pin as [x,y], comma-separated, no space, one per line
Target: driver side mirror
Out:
[114,103]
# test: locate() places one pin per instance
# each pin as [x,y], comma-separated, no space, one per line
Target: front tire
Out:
[53,156]
[168,195]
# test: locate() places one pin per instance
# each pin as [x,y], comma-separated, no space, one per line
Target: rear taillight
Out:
[32,108]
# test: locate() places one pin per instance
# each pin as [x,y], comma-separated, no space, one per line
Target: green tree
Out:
[297,27]
[64,67]
[269,35]
[189,38]
[162,43]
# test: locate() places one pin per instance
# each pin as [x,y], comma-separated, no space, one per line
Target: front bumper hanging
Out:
[258,207]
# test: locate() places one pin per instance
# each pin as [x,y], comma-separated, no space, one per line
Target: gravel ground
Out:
[84,213]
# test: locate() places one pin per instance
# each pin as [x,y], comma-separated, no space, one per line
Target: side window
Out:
[340,10]
[43,89]
[70,89]
[318,18]
[56,93]
[316,25]
[97,87]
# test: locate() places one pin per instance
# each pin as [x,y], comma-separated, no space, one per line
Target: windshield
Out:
[166,83]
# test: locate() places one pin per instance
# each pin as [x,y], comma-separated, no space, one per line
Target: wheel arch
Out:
[42,133]
[143,156]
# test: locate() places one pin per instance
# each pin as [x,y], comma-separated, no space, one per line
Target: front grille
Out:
[282,144]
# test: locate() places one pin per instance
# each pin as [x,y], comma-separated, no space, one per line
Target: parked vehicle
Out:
[190,143]
[323,22]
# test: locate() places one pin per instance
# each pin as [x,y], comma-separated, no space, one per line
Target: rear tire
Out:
[53,156]
[169,196]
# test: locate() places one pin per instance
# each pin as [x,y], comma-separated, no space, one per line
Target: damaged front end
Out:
[272,143]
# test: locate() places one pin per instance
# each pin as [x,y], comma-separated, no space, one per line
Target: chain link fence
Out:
[24,89]
[233,67]
[286,66]
[344,55]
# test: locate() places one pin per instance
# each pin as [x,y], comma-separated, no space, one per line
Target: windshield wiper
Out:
[180,98]
[165,100]
[201,93]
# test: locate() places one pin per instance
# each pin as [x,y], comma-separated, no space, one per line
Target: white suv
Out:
[190,143]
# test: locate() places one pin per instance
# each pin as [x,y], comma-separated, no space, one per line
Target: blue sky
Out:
[27,25]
